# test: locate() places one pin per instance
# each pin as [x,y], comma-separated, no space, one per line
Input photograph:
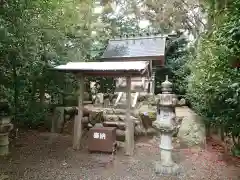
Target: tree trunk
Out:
[33,91]
[15,84]
[222,133]
[42,78]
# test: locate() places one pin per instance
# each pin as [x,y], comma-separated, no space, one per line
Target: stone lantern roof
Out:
[166,86]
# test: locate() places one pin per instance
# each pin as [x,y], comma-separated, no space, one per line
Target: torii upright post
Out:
[77,135]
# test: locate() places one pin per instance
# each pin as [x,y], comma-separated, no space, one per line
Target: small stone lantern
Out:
[165,125]
[5,128]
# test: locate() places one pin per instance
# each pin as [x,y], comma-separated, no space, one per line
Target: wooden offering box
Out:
[102,139]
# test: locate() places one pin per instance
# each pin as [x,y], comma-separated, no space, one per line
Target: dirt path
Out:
[45,156]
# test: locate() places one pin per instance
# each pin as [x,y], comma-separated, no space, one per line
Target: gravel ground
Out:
[46,156]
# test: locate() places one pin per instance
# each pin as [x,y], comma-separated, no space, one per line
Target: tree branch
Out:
[197,18]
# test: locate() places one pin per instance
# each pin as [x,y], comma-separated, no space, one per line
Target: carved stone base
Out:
[172,169]
[4,150]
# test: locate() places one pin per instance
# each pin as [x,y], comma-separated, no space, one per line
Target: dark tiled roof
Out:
[135,47]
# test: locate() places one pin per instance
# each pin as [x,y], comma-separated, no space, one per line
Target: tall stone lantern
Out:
[165,125]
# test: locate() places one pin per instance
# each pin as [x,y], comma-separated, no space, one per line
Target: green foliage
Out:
[35,36]
[214,84]
[177,56]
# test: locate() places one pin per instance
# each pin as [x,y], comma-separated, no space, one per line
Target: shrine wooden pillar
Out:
[129,133]
[77,132]
[152,87]
[152,78]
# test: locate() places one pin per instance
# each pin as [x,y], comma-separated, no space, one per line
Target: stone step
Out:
[137,132]
[122,105]
[111,110]
[113,117]
[119,124]
[119,111]
[132,90]
[123,100]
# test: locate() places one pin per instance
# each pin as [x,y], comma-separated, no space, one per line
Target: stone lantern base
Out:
[163,169]
[4,144]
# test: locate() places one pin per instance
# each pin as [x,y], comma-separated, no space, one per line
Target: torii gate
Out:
[113,69]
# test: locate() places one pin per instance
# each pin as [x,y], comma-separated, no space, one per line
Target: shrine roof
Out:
[133,47]
[103,68]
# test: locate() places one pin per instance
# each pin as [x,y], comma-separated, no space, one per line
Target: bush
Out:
[214,85]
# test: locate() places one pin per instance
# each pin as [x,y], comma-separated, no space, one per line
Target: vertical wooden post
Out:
[129,133]
[78,119]
[152,79]
[153,82]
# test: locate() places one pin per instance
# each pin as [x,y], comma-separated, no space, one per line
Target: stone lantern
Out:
[5,128]
[165,126]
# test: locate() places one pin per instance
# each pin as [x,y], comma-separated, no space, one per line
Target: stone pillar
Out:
[5,128]
[165,125]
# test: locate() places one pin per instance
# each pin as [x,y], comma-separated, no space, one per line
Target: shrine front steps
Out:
[139,115]
[115,117]
[119,120]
